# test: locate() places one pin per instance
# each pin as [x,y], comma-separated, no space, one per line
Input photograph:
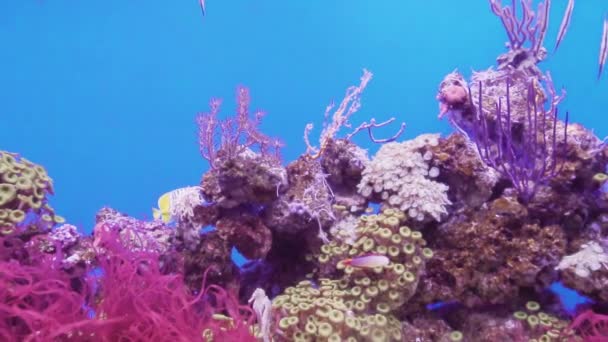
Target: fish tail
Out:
[155,213]
[603,48]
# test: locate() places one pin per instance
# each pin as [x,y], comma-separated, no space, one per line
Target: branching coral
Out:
[350,105]
[522,154]
[527,34]
[235,133]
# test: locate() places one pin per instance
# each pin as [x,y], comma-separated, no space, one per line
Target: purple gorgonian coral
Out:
[524,151]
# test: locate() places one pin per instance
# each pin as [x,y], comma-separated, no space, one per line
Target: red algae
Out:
[36,301]
[127,298]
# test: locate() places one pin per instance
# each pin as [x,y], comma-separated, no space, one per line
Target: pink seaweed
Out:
[130,299]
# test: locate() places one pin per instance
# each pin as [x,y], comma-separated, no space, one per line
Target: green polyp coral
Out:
[24,187]
[600,177]
[326,313]
[456,336]
[345,300]
[8,192]
[380,234]
[542,326]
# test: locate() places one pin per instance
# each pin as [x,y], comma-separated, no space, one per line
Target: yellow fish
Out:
[164,208]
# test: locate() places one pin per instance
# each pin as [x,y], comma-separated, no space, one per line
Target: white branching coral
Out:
[183,201]
[589,259]
[401,176]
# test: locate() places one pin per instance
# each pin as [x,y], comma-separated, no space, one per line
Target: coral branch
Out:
[371,125]
[524,156]
[349,105]
[236,133]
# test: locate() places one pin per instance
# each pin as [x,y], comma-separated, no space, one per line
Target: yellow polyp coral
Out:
[542,326]
[331,314]
[350,301]
[23,190]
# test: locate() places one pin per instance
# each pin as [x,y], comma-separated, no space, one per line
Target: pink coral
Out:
[36,302]
[236,133]
[591,326]
[129,300]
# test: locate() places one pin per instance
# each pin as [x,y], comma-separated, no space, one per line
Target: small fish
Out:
[603,47]
[164,208]
[565,24]
[178,204]
[202,3]
[367,261]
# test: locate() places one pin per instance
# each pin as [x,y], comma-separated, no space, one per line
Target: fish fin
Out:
[166,217]
[565,24]
[164,201]
[155,213]
[202,3]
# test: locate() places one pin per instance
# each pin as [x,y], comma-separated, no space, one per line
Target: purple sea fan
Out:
[225,139]
[524,152]
[526,33]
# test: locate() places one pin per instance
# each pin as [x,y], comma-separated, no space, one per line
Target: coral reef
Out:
[432,238]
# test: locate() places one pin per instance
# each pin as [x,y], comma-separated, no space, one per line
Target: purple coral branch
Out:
[371,125]
[207,125]
[529,162]
[519,31]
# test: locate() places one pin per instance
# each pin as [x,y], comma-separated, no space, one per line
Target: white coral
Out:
[401,175]
[589,259]
[183,201]
[345,230]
